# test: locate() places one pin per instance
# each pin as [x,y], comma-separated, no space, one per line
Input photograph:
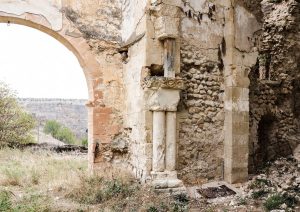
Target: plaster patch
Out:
[50,9]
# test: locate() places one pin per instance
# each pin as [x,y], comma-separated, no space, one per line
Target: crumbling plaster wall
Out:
[99,22]
[136,130]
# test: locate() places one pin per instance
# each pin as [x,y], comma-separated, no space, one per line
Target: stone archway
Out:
[49,17]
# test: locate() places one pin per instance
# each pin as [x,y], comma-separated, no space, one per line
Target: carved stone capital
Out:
[156,83]
[162,99]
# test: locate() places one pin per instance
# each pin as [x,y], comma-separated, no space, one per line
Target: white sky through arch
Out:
[38,66]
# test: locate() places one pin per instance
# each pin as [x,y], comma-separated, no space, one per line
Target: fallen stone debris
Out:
[276,188]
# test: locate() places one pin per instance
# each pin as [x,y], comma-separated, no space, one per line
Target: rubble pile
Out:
[277,187]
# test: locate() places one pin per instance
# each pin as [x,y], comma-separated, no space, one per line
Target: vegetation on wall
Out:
[15,124]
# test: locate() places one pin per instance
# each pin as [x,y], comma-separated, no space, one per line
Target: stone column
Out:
[158,164]
[163,95]
[171,141]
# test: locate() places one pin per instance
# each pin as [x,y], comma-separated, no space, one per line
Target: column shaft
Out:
[171,141]
[159,131]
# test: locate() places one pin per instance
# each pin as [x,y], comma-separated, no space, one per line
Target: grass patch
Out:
[276,200]
[96,189]
[29,203]
[47,181]
[33,169]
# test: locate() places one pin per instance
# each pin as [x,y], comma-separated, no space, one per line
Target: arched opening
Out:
[62,80]
[38,65]
[58,37]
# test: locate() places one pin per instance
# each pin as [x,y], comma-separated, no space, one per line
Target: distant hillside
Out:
[70,112]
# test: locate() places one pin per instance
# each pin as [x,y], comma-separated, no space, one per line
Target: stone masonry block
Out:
[167,27]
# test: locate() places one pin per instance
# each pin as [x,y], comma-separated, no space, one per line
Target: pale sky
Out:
[36,65]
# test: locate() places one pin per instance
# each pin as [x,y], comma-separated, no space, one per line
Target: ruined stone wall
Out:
[203,59]
[274,90]
[201,114]
[71,113]
[136,54]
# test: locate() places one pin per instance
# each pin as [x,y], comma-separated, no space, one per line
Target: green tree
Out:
[65,135]
[84,142]
[59,132]
[15,124]
[52,127]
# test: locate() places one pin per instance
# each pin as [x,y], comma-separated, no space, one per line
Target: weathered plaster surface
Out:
[133,12]
[50,9]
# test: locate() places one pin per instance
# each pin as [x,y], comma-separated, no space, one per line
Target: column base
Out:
[167,182]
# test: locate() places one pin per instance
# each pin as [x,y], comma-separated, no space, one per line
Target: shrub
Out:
[84,142]
[52,127]
[15,123]
[242,201]
[59,132]
[152,209]
[181,203]
[65,135]
[96,190]
[260,183]
[274,202]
